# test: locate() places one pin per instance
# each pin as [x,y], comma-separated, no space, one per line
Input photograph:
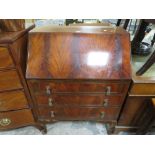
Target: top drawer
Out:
[9,80]
[5,58]
[143,89]
[47,87]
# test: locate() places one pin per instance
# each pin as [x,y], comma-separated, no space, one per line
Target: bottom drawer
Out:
[80,113]
[15,119]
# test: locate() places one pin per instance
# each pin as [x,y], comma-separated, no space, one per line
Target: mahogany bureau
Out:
[15,99]
[78,73]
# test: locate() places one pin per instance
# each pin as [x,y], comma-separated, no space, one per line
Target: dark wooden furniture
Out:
[12,25]
[79,73]
[142,90]
[15,100]
[147,119]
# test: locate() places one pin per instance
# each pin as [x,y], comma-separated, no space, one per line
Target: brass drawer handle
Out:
[108,90]
[105,102]
[52,114]
[50,102]
[5,122]
[48,90]
[102,115]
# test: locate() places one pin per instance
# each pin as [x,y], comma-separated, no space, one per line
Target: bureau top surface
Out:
[78,52]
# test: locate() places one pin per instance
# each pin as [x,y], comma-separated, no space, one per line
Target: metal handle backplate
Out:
[50,102]
[105,102]
[5,122]
[52,114]
[108,90]
[102,115]
[48,90]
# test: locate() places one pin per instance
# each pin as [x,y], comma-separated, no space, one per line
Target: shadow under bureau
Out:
[78,73]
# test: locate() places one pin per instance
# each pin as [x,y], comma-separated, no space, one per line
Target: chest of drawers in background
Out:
[15,100]
[142,90]
[78,73]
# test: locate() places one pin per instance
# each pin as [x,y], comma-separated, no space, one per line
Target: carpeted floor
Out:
[63,128]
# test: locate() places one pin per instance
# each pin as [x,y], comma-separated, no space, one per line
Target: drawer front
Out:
[5,59]
[79,113]
[9,80]
[15,119]
[79,100]
[75,87]
[143,89]
[13,100]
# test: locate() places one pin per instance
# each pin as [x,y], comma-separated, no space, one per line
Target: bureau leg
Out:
[42,128]
[110,128]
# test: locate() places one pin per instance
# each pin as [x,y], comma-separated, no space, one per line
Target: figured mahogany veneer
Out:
[79,100]
[72,53]
[79,87]
[79,113]
[78,72]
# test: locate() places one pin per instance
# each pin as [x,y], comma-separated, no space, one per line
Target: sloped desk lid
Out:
[93,52]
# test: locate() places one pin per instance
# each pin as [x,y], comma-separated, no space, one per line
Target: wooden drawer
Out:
[15,119]
[79,100]
[76,87]
[5,58]
[9,80]
[79,113]
[143,89]
[13,100]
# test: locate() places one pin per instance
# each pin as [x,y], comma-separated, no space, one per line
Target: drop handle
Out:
[102,115]
[52,114]
[50,102]
[105,102]
[108,90]
[48,90]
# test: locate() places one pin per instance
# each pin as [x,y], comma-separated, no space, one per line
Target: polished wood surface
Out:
[79,100]
[64,53]
[78,73]
[79,113]
[79,87]
[143,89]
[11,25]
[16,119]
[9,80]
[13,100]
[140,93]
[5,59]
[91,24]
[80,29]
